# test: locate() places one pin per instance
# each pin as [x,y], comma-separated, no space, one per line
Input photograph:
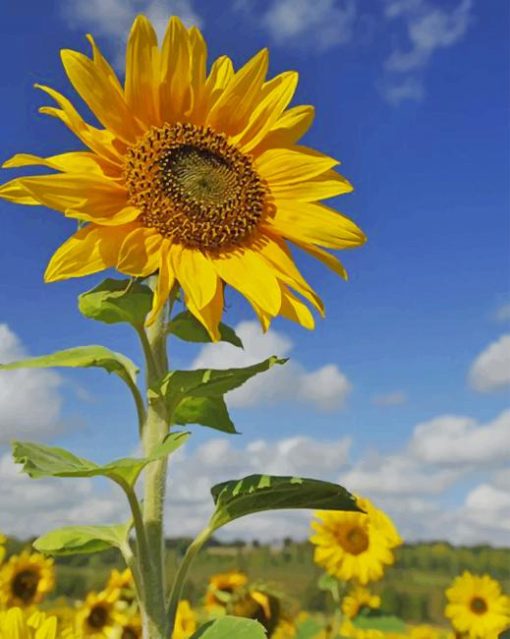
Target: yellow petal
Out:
[142,72]
[175,93]
[80,193]
[291,165]
[220,75]
[232,109]
[209,315]
[13,191]
[139,254]
[73,162]
[198,71]
[101,94]
[327,185]
[246,271]
[166,280]
[326,258]
[276,96]
[122,216]
[99,141]
[295,310]
[289,128]
[195,273]
[315,224]
[90,250]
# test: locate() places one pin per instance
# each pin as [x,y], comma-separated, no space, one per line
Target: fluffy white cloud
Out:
[113,18]
[395,398]
[30,401]
[429,28]
[484,517]
[327,388]
[491,369]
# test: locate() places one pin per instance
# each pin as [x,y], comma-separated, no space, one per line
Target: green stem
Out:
[175,595]
[139,403]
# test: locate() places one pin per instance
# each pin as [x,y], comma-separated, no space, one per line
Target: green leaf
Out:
[207,411]
[328,583]
[82,357]
[185,326]
[308,629]
[74,540]
[39,460]
[230,628]
[115,301]
[208,382]
[380,622]
[257,493]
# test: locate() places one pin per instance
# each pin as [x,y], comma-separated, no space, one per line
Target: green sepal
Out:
[231,627]
[39,460]
[82,357]
[115,301]
[185,326]
[75,540]
[206,411]
[257,493]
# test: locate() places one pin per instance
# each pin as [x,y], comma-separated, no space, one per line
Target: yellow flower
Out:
[15,623]
[424,632]
[357,599]
[476,606]
[131,628]
[123,583]
[352,545]
[195,174]
[224,583]
[261,606]
[348,629]
[185,622]
[25,579]
[284,630]
[98,616]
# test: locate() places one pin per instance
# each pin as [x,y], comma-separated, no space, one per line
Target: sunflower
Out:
[261,606]
[222,586]
[424,632]
[477,607]
[355,545]
[25,579]
[358,599]
[195,173]
[284,630]
[123,583]
[131,628]
[185,621]
[98,616]
[348,629]
[15,623]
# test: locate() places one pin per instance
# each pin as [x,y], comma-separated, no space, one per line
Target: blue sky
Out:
[412,97]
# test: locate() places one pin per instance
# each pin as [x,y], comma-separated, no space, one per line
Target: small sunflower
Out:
[477,606]
[185,621]
[122,582]
[195,173]
[222,586]
[355,545]
[348,629]
[424,632]
[98,616]
[131,628]
[15,623]
[357,600]
[261,606]
[25,579]
[285,629]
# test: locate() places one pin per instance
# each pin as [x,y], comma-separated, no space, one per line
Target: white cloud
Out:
[429,28]
[395,398]
[113,18]
[323,23]
[484,517]
[452,440]
[30,401]
[327,388]
[491,369]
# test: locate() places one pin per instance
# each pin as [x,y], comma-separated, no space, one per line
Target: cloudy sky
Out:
[402,393]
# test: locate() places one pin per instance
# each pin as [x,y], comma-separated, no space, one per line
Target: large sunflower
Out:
[25,579]
[195,174]
[477,607]
[354,545]
[98,616]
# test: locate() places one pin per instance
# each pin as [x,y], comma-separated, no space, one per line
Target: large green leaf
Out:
[231,628]
[82,357]
[39,460]
[73,540]
[185,326]
[207,411]
[206,382]
[257,493]
[115,301]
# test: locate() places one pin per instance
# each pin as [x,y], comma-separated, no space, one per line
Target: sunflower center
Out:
[478,605]
[24,585]
[98,617]
[194,187]
[129,633]
[353,539]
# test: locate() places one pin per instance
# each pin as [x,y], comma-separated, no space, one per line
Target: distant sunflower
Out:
[131,628]
[222,586]
[196,174]
[123,583]
[16,623]
[348,629]
[25,579]
[185,621]
[259,605]
[354,545]
[477,606]
[98,616]
[424,632]
[357,600]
